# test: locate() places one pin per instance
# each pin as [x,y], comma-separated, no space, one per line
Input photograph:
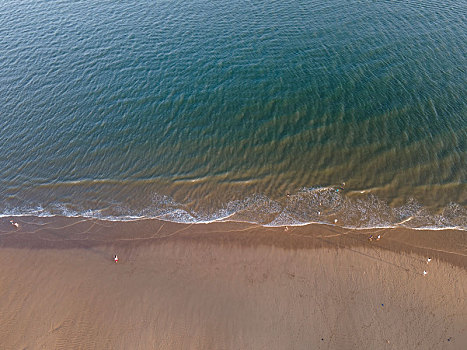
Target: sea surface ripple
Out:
[277,112]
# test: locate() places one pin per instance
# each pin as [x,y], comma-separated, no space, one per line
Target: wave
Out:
[323,205]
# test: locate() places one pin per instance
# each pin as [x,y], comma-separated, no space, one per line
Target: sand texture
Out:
[228,286]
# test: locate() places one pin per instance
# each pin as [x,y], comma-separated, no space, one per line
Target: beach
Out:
[233,174]
[228,286]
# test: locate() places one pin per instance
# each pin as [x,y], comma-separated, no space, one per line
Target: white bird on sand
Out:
[424,273]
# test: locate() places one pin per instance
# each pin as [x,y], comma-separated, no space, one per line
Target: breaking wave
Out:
[325,205]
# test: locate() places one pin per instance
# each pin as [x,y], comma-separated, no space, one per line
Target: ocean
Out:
[351,113]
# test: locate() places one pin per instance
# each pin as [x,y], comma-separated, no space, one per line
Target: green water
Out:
[244,110]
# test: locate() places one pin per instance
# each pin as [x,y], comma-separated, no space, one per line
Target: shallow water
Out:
[244,110]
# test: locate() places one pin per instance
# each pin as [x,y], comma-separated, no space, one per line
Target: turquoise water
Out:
[276,112]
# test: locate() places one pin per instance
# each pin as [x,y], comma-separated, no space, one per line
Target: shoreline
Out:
[228,286]
[77,232]
[308,206]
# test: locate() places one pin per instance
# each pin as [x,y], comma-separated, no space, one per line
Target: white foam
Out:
[307,206]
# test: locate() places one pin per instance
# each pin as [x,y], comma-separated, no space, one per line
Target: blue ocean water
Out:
[276,112]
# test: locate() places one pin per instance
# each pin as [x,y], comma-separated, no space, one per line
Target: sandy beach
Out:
[228,286]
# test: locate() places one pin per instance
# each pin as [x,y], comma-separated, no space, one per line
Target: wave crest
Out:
[327,205]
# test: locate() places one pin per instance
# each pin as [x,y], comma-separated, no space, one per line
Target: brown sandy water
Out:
[228,286]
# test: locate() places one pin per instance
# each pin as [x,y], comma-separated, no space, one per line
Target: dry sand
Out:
[228,286]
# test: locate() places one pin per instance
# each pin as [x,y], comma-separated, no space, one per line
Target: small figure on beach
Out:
[428,260]
[286,228]
[15,224]
[425,273]
[335,220]
[370,238]
[378,238]
[340,188]
[116,258]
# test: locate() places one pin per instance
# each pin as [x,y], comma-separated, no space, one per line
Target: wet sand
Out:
[228,286]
